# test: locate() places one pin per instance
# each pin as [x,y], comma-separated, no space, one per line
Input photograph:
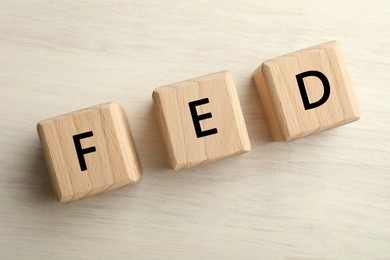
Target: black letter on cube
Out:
[196,118]
[302,89]
[80,151]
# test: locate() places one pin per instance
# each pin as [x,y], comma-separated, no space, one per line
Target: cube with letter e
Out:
[201,120]
[306,92]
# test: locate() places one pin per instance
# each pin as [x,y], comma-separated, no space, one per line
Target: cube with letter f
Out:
[89,151]
[201,120]
[306,92]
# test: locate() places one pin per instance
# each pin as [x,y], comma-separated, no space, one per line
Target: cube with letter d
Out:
[306,92]
[201,120]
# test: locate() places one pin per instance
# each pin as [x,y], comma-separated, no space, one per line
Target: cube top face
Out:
[201,120]
[89,151]
[307,91]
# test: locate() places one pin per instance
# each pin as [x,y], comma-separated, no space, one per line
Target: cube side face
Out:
[269,104]
[162,122]
[92,129]
[125,142]
[215,95]
[239,116]
[50,159]
[346,94]
[295,119]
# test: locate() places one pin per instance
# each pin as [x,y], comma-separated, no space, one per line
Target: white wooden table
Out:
[322,197]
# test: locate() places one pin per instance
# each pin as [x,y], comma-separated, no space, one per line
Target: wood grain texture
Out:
[325,196]
[221,131]
[113,162]
[282,98]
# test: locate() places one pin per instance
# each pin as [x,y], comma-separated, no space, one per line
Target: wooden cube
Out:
[306,92]
[89,151]
[201,120]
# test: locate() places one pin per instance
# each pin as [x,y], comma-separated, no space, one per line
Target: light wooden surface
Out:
[327,106]
[109,158]
[221,130]
[326,196]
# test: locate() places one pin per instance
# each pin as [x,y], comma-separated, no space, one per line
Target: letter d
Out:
[302,89]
